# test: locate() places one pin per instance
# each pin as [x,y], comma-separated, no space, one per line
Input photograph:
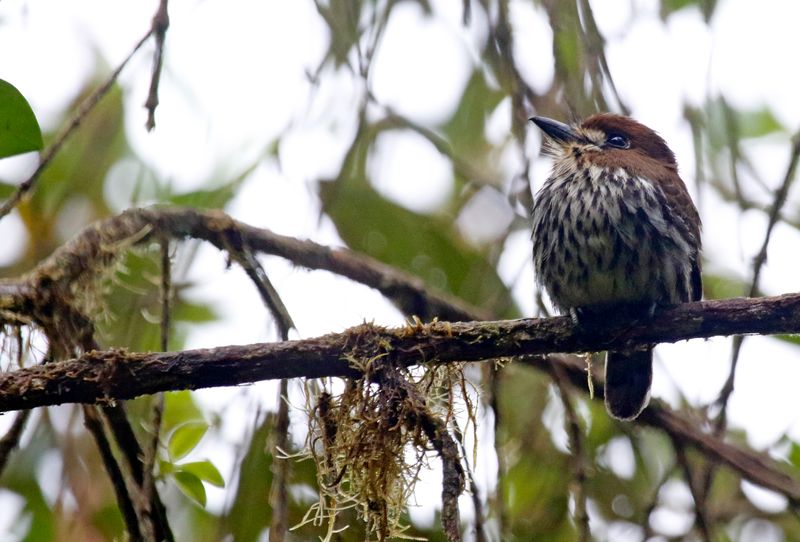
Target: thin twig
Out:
[159,30]
[129,510]
[477,504]
[269,295]
[157,415]
[576,447]
[11,439]
[595,46]
[678,426]
[166,294]
[99,376]
[497,501]
[653,504]
[83,110]
[700,498]
[114,418]
[760,259]
[279,493]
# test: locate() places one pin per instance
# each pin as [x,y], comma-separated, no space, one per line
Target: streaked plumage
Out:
[614,228]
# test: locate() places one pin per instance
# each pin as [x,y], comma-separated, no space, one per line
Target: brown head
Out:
[607,140]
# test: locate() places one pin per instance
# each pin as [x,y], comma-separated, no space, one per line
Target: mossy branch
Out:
[115,374]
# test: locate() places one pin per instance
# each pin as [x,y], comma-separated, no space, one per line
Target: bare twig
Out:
[11,439]
[159,31]
[480,535]
[130,513]
[98,376]
[150,452]
[653,502]
[166,293]
[699,497]
[774,215]
[114,418]
[279,494]
[576,447]
[758,264]
[594,43]
[497,504]
[269,295]
[452,474]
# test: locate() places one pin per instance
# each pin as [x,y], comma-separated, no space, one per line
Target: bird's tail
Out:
[628,379]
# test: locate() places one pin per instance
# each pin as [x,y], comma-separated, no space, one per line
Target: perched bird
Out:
[615,232]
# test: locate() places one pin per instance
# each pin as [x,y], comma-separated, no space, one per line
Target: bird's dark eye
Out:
[618,141]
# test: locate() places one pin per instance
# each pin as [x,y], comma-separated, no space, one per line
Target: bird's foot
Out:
[589,317]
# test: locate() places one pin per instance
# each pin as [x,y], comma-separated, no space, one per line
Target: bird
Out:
[615,232]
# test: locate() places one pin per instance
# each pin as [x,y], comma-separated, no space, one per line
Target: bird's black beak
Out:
[555,130]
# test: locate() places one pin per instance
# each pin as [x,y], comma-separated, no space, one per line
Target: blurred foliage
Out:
[57,474]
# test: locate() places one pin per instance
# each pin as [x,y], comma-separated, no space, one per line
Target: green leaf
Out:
[19,131]
[179,408]
[758,123]
[191,486]
[184,439]
[728,125]
[466,129]
[195,313]
[205,470]
[166,468]
[78,173]
[255,479]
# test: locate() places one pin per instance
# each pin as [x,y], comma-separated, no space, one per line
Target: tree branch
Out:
[109,375]
[115,374]
[100,244]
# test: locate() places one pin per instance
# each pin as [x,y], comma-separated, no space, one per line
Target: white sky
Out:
[235,78]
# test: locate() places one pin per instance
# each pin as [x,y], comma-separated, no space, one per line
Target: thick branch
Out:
[99,376]
[106,376]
